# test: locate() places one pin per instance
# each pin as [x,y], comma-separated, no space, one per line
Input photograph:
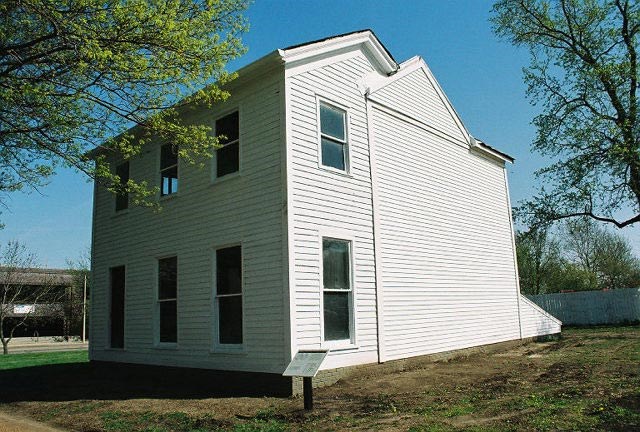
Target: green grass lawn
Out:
[15,361]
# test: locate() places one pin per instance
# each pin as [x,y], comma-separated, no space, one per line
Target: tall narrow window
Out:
[228,156]
[167,299]
[168,169]
[229,294]
[117,282]
[337,289]
[333,137]
[122,198]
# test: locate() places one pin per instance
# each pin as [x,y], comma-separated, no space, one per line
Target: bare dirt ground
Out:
[17,423]
[587,380]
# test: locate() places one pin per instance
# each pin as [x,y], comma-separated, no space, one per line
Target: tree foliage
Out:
[584,75]
[580,255]
[75,74]
[539,260]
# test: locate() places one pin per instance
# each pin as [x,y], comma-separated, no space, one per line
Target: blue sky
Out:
[481,75]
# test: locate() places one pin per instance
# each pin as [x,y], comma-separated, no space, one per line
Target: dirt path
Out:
[15,423]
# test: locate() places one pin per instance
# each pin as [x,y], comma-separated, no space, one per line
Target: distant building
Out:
[48,316]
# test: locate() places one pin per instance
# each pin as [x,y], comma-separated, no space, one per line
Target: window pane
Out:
[169,181]
[228,159]
[167,278]
[168,156]
[333,154]
[230,322]
[229,127]
[332,122]
[122,199]
[229,270]
[336,316]
[335,264]
[117,306]
[168,321]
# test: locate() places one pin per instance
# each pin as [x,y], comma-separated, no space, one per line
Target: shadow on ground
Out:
[109,381]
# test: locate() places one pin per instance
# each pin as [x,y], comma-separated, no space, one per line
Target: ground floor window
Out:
[228,289]
[337,289]
[116,307]
[167,304]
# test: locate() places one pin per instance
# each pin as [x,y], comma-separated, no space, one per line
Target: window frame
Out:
[216,346]
[110,312]
[214,159]
[351,342]
[157,319]
[161,170]
[126,194]
[320,100]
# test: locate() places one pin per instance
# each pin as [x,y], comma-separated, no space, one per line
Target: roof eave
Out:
[299,54]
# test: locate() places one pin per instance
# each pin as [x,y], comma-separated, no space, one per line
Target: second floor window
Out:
[122,198]
[333,137]
[168,169]
[228,156]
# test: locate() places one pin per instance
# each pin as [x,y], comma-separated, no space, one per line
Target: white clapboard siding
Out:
[536,321]
[202,216]
[321,200]
[415,95]
[448,275]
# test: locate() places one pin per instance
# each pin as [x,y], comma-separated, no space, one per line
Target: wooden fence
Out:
[617,306]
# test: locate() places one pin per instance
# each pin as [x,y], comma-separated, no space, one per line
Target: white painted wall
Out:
[248,208]
[322,201]
[536,321]
[447,260]
[418,95]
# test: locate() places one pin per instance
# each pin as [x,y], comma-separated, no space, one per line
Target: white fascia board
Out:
[483,148]
[295,57]
[374,81]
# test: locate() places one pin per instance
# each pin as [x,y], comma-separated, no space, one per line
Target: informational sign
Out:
[23,309]
[305,364]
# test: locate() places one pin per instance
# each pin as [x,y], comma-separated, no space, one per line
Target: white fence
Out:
[592,307]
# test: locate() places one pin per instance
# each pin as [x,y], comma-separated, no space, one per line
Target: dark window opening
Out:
[229,294]
[228,156]
[122,197]
[168,169]
[117,282]
[167,299]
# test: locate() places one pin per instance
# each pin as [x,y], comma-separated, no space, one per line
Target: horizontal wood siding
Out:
[415,96]
[536,321]
[326,200]
[203,215]
[447,261]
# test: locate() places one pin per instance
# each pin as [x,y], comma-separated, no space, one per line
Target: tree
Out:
[75,74]
[20,300]
[605,254]
[78,307]
[539,260]
[584,74]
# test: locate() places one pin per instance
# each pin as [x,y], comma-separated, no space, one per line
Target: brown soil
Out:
[574,381]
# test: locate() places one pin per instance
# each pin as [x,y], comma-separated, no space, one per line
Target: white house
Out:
[349,210]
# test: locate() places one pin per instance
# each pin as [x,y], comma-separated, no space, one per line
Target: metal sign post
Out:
[306,364]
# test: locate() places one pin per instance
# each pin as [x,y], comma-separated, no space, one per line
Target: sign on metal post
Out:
[23,309]
[306,364]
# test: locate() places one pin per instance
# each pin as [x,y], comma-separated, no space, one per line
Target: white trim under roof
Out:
[487,149]
[313,51]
